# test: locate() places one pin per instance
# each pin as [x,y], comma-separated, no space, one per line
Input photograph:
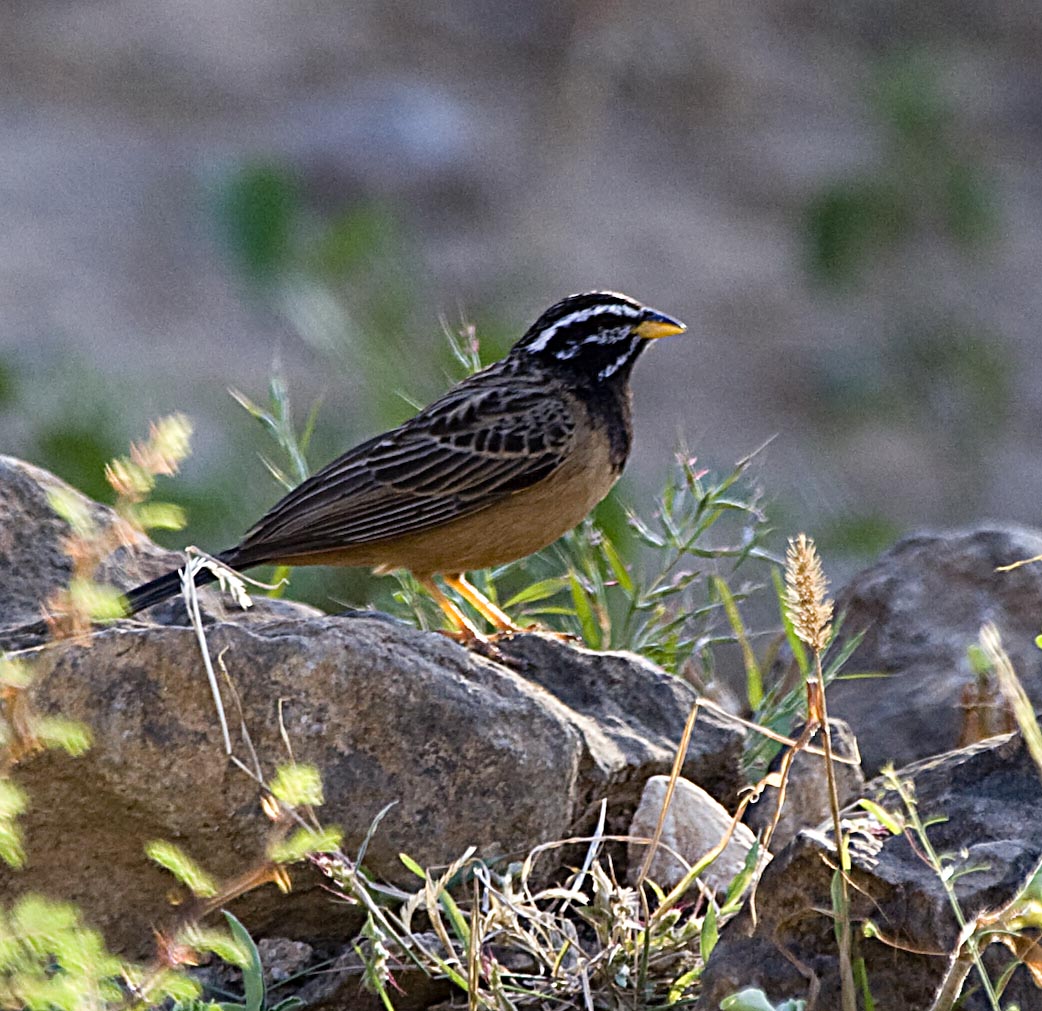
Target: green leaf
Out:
[159,516]
[753,676]
[540,590]
[73,508]
[894,824]
[175,986]
[839,904]
[288,1004]
[861,978]
[750,999]
[371,831]
[303,843]
[13,799]
[739,883]
[413,866]
[298,786]
[68,735]
[643,531]
[618,568]
[584,611]
[709,934]
[99,601]
[682,984]
[252,973]
[183,867]
[171,438]
[459,921]
[14,673]
[837,660]
[13,803]
[226,947]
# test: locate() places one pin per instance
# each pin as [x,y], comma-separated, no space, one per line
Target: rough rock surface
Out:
[31,557]
[989,797]
[470,751]
[920,607]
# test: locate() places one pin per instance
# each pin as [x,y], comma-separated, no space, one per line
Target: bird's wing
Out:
[482,441]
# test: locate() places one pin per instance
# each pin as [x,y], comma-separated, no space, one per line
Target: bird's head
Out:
[596,335]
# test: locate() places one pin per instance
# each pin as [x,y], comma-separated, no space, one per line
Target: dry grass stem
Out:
[1017,565]
[1013,691]
[810,611]
[674,775]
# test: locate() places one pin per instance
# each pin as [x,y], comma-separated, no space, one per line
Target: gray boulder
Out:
[502,756]
[920,607]
[987,798]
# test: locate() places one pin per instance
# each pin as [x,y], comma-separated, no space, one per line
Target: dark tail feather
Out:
[145,595]
[169,585]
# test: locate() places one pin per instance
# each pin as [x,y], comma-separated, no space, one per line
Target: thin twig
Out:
[674,775]
[191,597]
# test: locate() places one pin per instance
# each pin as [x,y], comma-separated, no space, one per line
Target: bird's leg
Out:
[466,631]
[497,616]
[473,596]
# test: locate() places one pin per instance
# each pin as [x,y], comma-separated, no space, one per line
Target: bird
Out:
[497,468]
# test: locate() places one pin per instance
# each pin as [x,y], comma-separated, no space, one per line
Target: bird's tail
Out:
[157,590]
[145,595]
[169,585]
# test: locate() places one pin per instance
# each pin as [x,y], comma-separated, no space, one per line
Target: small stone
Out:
[693,825]
[282,957]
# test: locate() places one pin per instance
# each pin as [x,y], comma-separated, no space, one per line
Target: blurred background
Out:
[843,202]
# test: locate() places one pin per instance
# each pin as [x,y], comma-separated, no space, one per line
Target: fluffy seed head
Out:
[806,600]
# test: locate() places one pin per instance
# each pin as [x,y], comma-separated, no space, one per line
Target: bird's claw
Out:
[534,629]
[474,642]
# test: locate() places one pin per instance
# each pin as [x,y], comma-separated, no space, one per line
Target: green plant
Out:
[1013,924]
[506,944]
[255,991]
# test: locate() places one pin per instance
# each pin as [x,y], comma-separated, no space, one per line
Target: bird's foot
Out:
[534,629]
[475,642]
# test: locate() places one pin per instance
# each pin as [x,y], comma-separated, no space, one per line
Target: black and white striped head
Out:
[597,335]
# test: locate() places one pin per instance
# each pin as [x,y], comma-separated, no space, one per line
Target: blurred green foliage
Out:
[937,381]
[925,179]
[8,385]
[924,373]
[865,535]
[258,208]
[79,448]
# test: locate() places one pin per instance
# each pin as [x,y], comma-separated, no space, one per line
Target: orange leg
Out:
[465,628]
[473,596]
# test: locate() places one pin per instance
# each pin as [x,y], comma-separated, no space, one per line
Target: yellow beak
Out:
[657,324]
